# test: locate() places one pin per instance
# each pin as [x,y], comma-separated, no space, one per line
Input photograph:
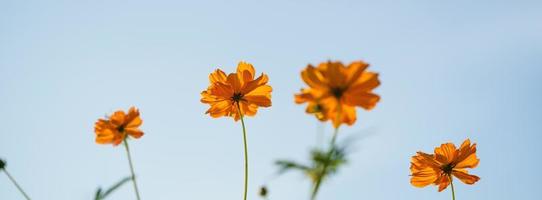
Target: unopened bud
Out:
[263,191]
[2,164]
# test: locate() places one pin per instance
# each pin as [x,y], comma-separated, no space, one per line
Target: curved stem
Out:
[131,169]
[246,150]
[324,169]
[452,185]
[16,184]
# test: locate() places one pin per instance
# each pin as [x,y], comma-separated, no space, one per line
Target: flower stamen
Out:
[447,169]
[121,129]
[237,97]
[337,92]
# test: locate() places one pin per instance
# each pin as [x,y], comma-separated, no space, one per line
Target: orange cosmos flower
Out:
[335,90]
[114,129]
[438,168]
[226,93]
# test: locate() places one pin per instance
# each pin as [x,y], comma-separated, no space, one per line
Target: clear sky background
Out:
[449,71]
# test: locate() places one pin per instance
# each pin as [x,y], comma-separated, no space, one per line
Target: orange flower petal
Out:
[244,108]
[219,109]
[445,153]
[260,96]
[118,140]
[262,101]
[467,156]
[234,82]
[118,118]
[365,100]
[245,71]
[313,77]
[217,76]
[208,97]
[365,83]
[248,109]
[443,182]
[252,85]
[331,110]
[348,114]
[104,138]
[423,177]
[470,162]
[422,159]
[304,96]
[132,119]
[334,73]
[355,71]
[136,133]
[222,91]
[465,177]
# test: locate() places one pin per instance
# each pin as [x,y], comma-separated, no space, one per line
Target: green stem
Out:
[16,184]
[452,185]
[131,168]
[246,150]
[324,169]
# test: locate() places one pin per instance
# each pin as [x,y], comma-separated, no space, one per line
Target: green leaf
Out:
[286,165]
[116,186]
[100,195]
[334,158]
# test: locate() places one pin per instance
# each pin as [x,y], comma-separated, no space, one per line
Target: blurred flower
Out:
[335,90]
[114,129]
[226,93]
[438,168]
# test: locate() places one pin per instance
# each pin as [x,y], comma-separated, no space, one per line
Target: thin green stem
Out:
[452,185]
[131,169]
[246,150]
[324,169]
[16,184]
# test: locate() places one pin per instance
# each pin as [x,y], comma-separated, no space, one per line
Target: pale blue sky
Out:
[449,71]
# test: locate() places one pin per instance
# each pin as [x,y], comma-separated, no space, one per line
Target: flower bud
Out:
[2,164]
[263,191]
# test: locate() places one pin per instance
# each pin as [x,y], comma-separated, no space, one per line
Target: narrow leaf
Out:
[116,186]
